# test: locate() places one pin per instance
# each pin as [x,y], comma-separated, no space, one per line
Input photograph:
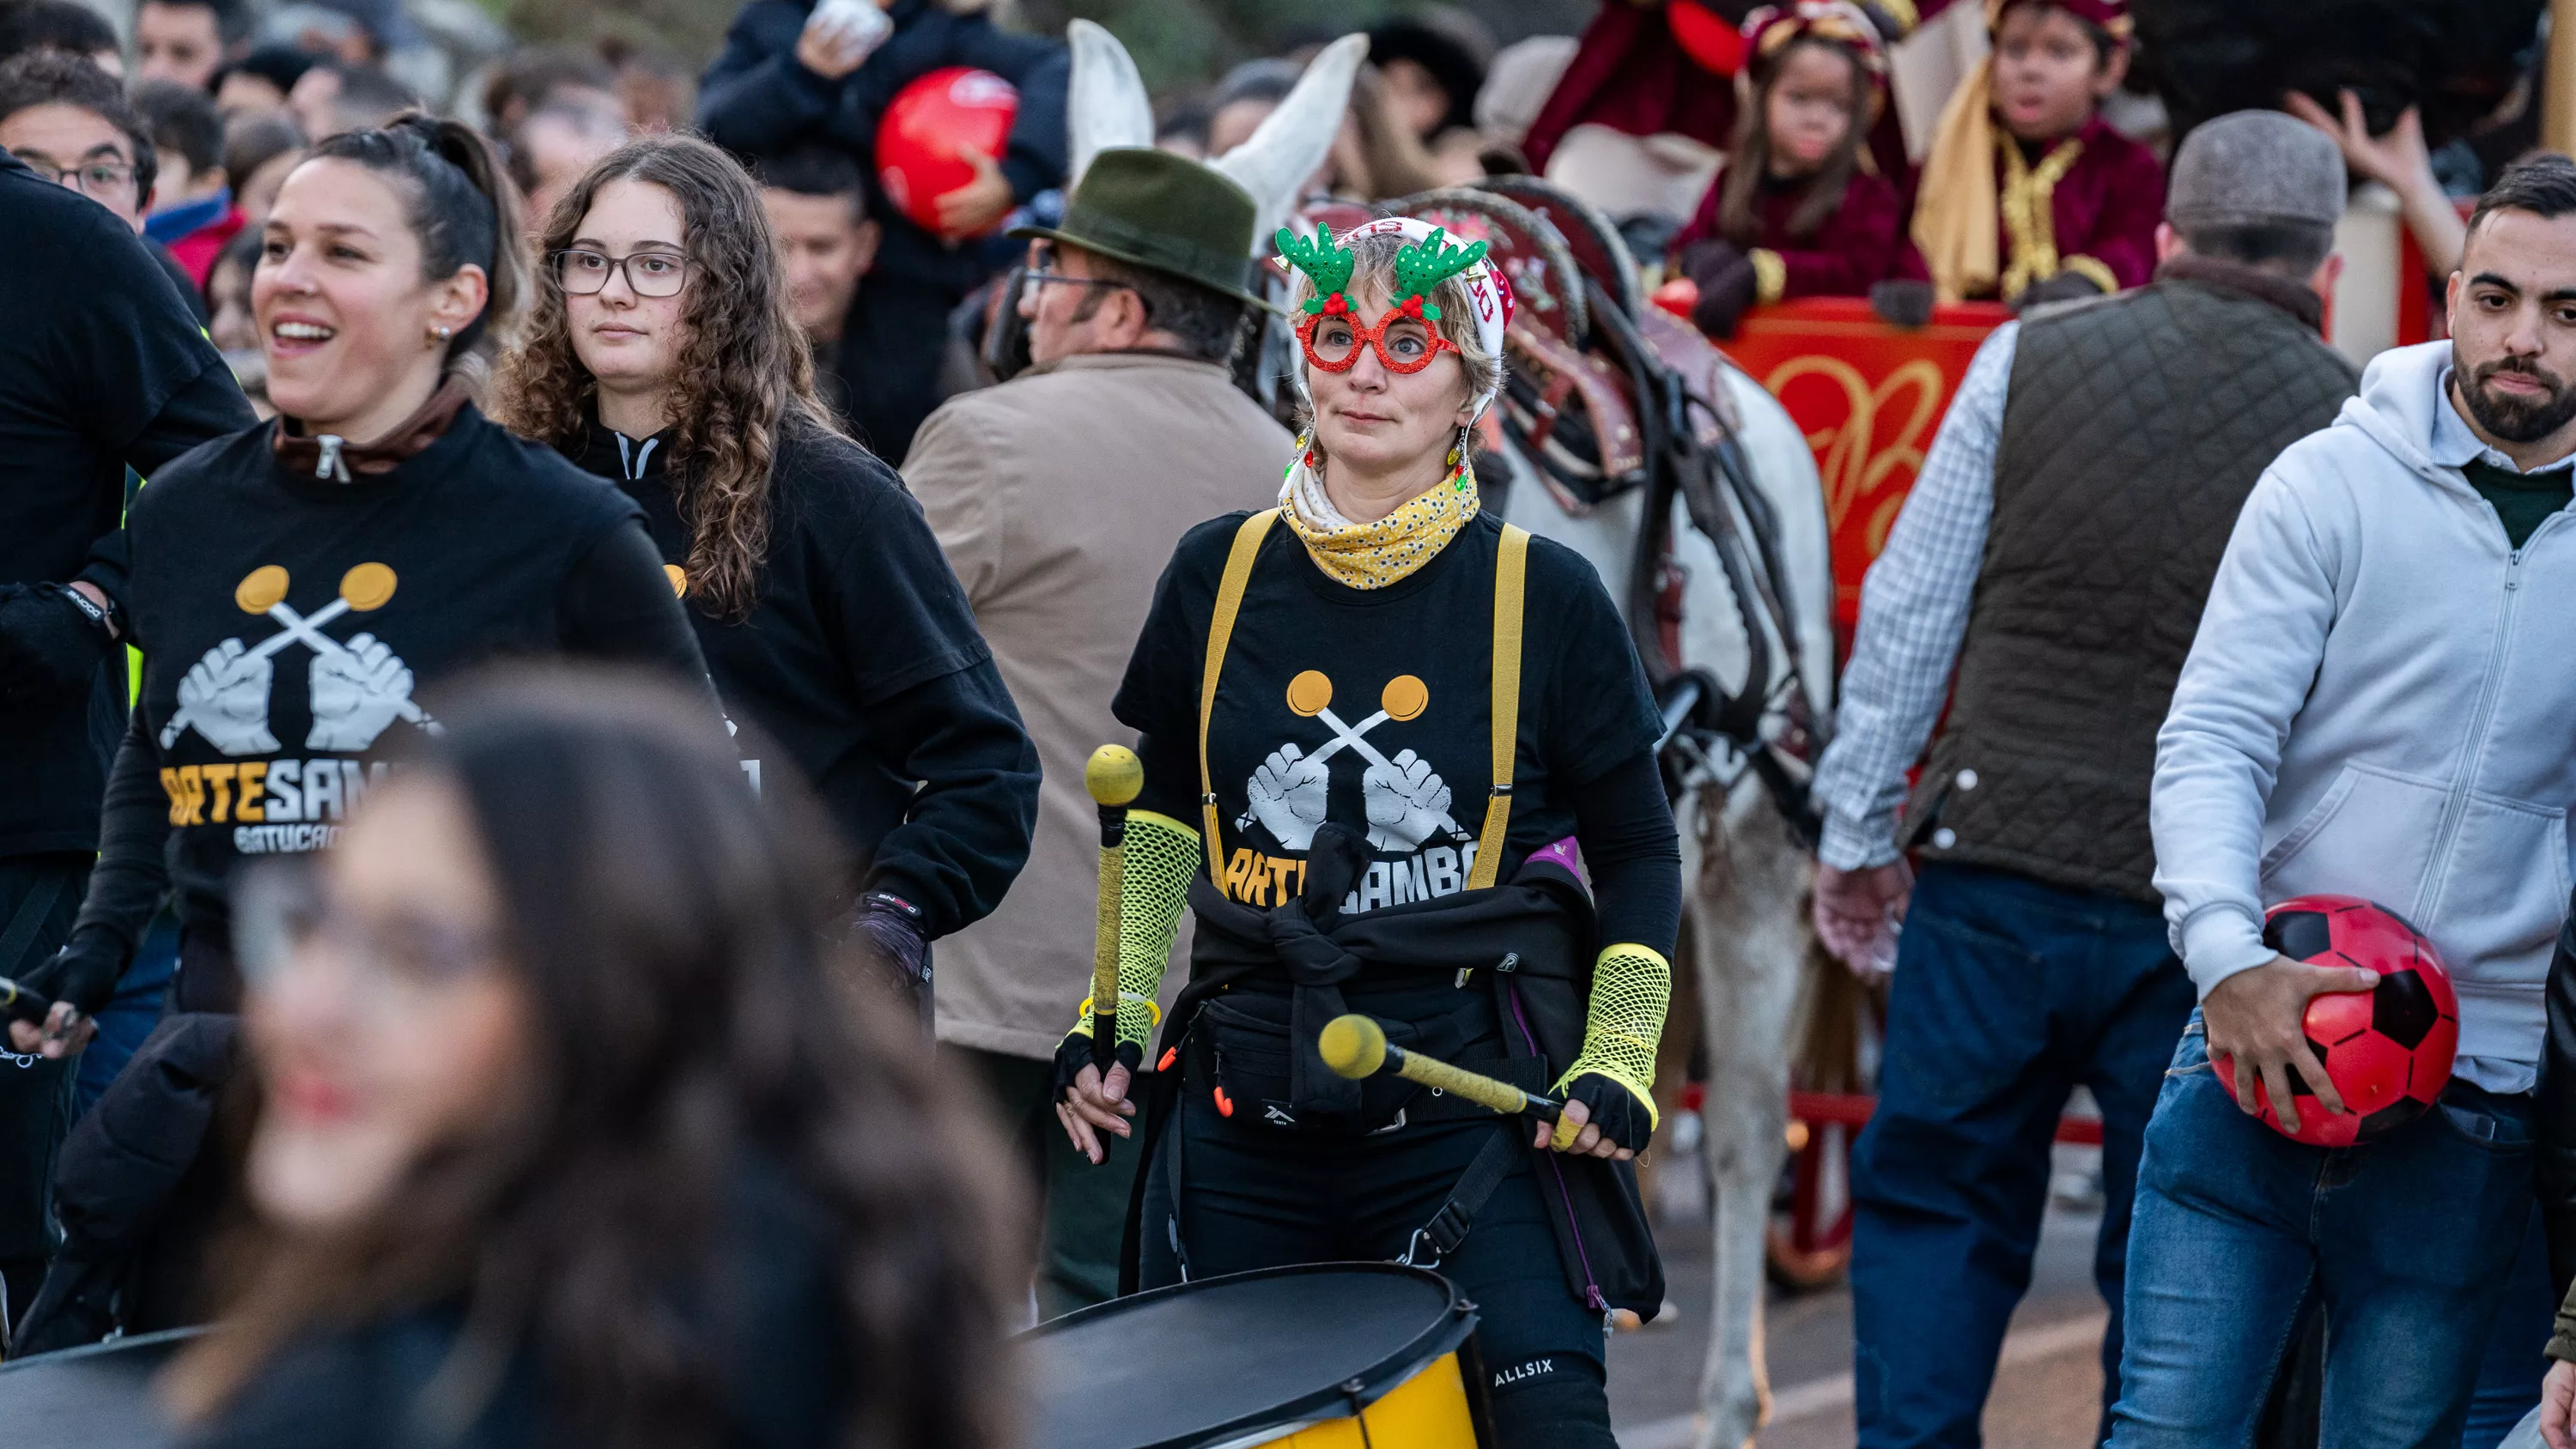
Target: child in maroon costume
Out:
[2027,194]
[1801,210]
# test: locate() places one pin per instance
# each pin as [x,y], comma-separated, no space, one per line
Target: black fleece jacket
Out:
[757,98]
[861,660]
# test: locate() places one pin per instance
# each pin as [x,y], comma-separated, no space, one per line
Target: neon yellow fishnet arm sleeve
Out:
[1631,987]
[1162,855]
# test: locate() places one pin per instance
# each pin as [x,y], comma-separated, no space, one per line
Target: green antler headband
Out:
[1423,265]
[1419,267]
[1325,264]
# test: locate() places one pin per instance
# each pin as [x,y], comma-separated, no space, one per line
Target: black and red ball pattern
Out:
[2388,1051]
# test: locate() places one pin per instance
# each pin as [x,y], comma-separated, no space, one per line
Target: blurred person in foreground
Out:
[574,1131]
[817,201]
[1058,496]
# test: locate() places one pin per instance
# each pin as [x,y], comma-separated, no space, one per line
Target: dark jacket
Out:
[2555,1168]
[861,663]
[757,98]
[2134,429]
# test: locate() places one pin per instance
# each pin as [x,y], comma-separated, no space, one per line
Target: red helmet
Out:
[929,120]
[2388,1051]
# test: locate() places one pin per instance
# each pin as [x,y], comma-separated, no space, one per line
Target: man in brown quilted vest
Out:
[2054,554]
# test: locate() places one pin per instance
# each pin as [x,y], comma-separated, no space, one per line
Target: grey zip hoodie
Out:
[2381,702]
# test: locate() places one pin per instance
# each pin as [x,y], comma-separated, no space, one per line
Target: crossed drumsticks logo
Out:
[1407,800]
[356,688]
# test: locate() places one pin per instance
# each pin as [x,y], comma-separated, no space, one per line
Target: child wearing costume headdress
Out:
[1801,209]
[2027,195]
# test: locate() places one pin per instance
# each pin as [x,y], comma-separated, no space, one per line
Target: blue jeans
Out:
[2406,1244]
[2008,995]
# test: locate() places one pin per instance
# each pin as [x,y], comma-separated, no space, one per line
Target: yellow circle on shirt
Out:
[261,590]
[1404,698]
[1310,693]
[368,586]
[679,578]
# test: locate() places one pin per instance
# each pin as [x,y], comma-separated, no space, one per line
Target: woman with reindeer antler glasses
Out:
[1377,724]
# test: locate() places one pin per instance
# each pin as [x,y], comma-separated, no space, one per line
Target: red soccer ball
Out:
[923,128]
[2388,1051]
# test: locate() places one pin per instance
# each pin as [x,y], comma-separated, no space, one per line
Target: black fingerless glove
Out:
[2067,286]
[83,973]
[1901,302]
[1727,285]
[51,642]
[1623,1120]
[1074,1053]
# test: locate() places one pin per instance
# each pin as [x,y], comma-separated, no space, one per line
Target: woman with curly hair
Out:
[662,353]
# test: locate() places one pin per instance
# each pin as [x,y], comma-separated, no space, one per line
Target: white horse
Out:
[1746,928]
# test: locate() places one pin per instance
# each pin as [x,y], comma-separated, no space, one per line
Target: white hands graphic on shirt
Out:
[225,695]
[1407,801]
[1288,795]
[358,689]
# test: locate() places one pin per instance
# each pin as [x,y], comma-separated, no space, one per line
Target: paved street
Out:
[2047,1394]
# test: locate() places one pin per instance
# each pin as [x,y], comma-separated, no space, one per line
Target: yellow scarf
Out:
[1374,555]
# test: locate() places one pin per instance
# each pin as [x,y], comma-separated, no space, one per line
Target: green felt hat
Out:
[1153,209]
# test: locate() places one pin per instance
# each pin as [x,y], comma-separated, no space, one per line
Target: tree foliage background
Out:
[1178,44]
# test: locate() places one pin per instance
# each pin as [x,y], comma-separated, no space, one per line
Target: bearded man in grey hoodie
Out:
[2380,702]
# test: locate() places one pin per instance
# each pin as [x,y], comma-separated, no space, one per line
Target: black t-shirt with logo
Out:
[101,365]
[291,625]
[1373,708]
[861,660]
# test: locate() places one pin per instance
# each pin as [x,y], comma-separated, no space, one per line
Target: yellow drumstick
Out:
[1114,776]
[1355,1046]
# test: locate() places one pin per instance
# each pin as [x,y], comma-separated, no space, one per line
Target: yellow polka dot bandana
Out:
[1374,555]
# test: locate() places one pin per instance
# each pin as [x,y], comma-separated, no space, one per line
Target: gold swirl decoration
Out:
[1860,474]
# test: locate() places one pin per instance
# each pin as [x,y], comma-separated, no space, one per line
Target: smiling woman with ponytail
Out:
[294,588]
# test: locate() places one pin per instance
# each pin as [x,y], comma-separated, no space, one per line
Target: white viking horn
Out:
[1293,140]
[1106,104]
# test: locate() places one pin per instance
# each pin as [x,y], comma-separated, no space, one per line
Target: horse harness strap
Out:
[1511,575]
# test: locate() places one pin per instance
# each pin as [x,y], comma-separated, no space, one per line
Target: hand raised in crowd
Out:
[2558,1405]
[1857,911]
[2400,161]
[974,208]
[2259,1018]
[840,35]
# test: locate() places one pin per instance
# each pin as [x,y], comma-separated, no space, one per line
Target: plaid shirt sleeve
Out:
[1913,613]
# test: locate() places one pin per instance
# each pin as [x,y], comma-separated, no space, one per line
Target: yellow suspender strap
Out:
[1229,602]
[1511,567]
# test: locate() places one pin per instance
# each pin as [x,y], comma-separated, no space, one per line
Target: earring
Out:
[439,335]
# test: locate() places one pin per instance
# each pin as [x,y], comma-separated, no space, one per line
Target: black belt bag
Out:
[1239,1062]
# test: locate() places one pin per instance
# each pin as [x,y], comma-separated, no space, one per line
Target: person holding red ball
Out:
[806,70]
[2375,705]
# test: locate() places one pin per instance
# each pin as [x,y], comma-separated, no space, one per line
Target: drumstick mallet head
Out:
[1114,776]
[1355,1047]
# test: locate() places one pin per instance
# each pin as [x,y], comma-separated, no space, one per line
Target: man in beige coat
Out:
[1059,496]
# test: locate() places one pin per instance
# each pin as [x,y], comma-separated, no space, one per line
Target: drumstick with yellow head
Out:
[1355,1047]
[1114,776]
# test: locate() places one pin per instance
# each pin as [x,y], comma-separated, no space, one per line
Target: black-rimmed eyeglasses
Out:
[648,274]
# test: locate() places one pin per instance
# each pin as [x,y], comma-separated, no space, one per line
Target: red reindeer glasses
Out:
[1404,341]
